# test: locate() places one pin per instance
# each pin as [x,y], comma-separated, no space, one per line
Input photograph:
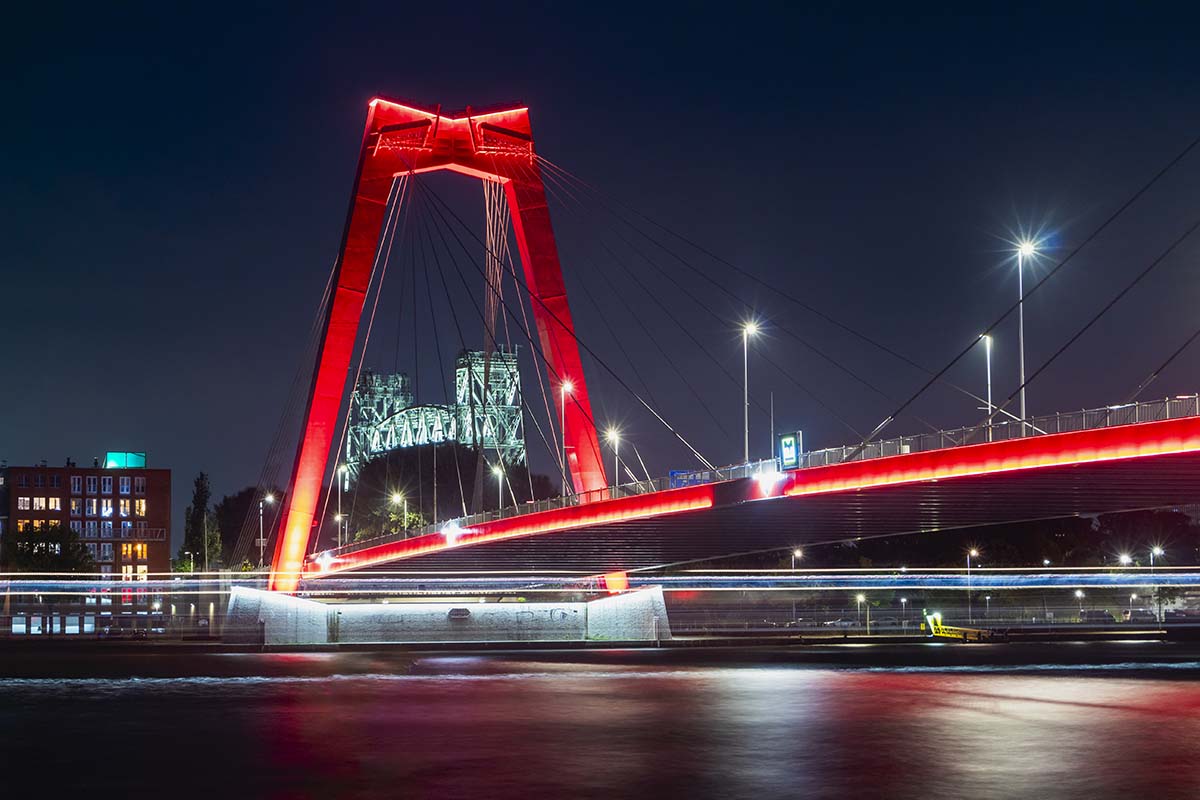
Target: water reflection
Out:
[590,726]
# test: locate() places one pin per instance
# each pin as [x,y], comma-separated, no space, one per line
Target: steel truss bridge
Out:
[1123,458]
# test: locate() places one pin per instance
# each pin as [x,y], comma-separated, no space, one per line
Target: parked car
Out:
[1140,615]
[1096,616]
[842,623]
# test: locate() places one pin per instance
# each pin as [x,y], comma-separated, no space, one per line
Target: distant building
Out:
[121,510]
[486,412]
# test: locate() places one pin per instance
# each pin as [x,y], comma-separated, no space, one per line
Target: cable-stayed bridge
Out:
[1132,456]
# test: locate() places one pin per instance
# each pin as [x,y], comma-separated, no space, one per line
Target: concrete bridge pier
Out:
[271,618]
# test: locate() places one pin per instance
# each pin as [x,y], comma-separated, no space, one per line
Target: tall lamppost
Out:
[262,541]
[499,473]
[1025,250]
[1132,597]
[1154,551]
[398,499]
[860,599]
[1079,597]
[796,554]
[341,477]
[987,354]
[566,389]
[904,611]
[748,330]
[972,553]
[1125,559]
[614,439]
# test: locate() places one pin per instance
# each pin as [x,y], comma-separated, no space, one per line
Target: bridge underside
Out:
[737,525]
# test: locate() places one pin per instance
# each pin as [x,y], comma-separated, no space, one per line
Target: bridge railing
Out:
[1064,422]
[1087,419]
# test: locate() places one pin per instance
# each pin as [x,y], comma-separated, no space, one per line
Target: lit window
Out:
[139,550]
[124,507]
[139,507]
[143,573]
[91,506]
[91,484]
[106,529]
[126,529]
[76,484]
[127,572]
[24,525]
[39,504]
[123,485]
[76,526]
[38,524]
[139,485]
[76,507]
[54,504]
[106,484]
[126,550]
[90,529]
[106,551]
[106,507]
[23,503]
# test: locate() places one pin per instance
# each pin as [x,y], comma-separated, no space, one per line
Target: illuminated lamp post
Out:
[614,438]
[1125,559]
[860,599]
[400,499]
[567,388]
[499,473]
[748,330]
[796,555]
[972,553]
[341,477]
[1025,250]
[1079,597]
[904,611]
[262,541]
[1132,597]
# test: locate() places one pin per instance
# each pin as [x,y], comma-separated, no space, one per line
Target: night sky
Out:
[174,186]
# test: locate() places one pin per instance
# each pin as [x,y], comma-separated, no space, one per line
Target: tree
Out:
[53,549]
[200,534]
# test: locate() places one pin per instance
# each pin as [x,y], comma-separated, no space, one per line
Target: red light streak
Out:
[994,458]
[672,501]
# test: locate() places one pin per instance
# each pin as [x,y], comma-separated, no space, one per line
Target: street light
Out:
[1025,249]
[340,480]
[904,612]
[499,473]
[1132,597]
[972,553]
[1045,562]
[1155,551]
[860,599]
[796,554]
[191,560]
[262,542]
[1125,559]
[987,352]
[987,611]
[614,439]
[1079,597]
[748,330]
[398,499]
[567,388]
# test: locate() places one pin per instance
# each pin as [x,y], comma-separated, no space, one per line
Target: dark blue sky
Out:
[174,186]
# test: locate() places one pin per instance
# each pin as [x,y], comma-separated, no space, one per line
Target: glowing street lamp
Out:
[499,473]
[398,498]
[1079,597]
[262,541]
[860,599]
[1026,249]
[1125,559]
[972,553]
[904,613]
[614,439]
[567,388]
[748,330]
[1132,597]
[796,555]
[1154,551]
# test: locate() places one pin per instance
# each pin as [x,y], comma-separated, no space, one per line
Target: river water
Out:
[597,725]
